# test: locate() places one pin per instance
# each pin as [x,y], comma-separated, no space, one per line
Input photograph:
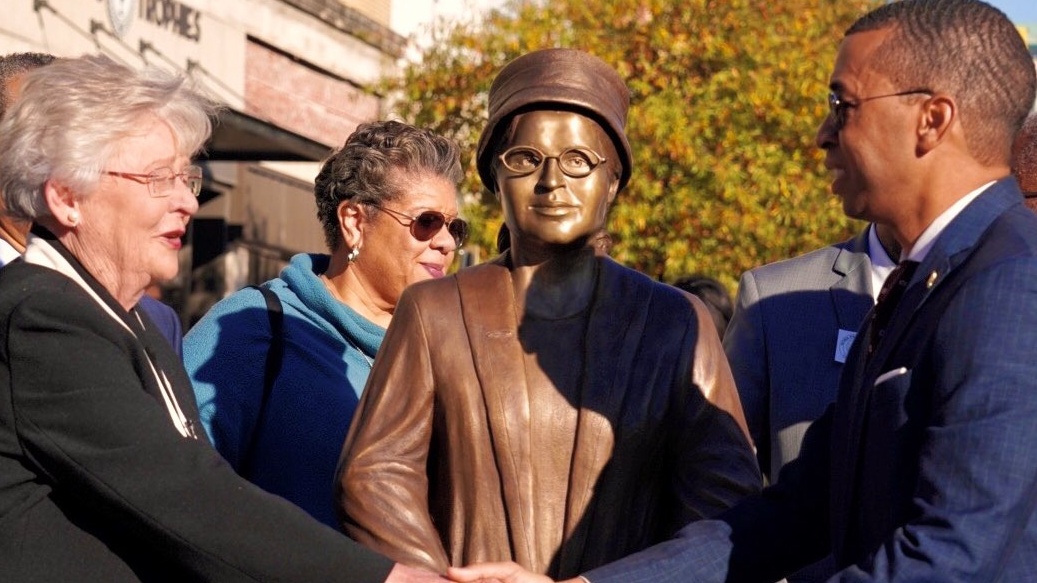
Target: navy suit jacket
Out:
[924,468]
[166,321]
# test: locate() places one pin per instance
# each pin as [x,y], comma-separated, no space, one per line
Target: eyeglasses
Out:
[161,182]
[838,106]
[427,225]
[573,162]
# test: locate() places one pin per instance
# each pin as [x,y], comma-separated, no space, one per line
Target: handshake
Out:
[508,572]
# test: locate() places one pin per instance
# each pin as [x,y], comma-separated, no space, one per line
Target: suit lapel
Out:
[854,267]
[488,311]
[854,264]
[952,247]
[614,332]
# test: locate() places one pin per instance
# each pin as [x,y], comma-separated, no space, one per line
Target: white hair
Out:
[73,113]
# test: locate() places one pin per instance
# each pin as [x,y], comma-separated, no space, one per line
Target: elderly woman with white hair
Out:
[105,474]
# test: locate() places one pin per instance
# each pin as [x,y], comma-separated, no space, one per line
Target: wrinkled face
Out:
[123,227]
[555,188]
[391,258]
[870,144]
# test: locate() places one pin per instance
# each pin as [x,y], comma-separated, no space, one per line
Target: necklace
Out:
[334,293]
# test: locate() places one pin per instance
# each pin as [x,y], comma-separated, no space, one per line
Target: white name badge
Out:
[843,343]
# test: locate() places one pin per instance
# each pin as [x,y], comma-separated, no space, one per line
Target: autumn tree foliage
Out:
[726,99]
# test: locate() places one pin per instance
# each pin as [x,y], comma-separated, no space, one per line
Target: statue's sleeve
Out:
[382,479]
[711,373]
[715,463]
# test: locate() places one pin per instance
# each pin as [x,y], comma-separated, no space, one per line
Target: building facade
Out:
[294,76]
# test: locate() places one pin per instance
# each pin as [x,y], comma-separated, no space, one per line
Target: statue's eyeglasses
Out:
[427,224]
[573,162]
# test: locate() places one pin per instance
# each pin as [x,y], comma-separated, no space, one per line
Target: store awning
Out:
[238,137]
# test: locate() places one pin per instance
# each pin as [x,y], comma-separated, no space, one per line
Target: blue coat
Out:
[310,408]
[925,467]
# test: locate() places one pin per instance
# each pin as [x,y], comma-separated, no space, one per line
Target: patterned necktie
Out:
[889,297]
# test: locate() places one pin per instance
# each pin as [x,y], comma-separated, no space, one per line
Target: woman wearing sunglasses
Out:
[387,202]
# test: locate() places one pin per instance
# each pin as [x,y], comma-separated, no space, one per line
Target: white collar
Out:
[39,251]
[7,252]
[925,241]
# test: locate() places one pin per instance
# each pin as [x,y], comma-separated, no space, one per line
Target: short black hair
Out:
[966,49]
[363,169]
[713,294]
[1024,155]
[15,64]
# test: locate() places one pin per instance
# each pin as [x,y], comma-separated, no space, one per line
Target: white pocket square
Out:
[889,374]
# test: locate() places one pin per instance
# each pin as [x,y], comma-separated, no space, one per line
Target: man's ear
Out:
[937,123]
[351,224]
[62,203]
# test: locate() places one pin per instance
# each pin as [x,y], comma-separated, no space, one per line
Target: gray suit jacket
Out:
[783,338]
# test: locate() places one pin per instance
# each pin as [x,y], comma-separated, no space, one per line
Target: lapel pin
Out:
[929,283]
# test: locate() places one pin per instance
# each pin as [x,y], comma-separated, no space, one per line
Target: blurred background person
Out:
[1024,160]
[713,294]
[387,201]
[12,73]
[13,68]
[104,473]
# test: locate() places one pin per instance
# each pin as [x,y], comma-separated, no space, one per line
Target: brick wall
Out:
[301,99]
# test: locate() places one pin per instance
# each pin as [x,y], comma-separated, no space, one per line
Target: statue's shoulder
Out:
[474,277]
[637,289]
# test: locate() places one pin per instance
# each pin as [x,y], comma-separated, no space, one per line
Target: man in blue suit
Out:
[924,469]
[793,326]
[1024,160]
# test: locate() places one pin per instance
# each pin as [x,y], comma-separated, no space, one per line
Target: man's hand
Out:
[501,573]
[404,574]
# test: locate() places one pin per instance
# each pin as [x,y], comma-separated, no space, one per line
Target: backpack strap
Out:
[274,357]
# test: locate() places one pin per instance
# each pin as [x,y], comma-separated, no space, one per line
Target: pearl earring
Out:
[73,218]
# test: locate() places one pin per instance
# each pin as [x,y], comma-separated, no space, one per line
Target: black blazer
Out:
[96,484]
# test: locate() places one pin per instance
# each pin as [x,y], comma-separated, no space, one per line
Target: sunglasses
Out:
[428,224]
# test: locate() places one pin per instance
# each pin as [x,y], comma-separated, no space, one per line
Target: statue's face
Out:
[556,177]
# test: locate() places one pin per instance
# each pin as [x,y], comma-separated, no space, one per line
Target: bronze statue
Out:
[549,407]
